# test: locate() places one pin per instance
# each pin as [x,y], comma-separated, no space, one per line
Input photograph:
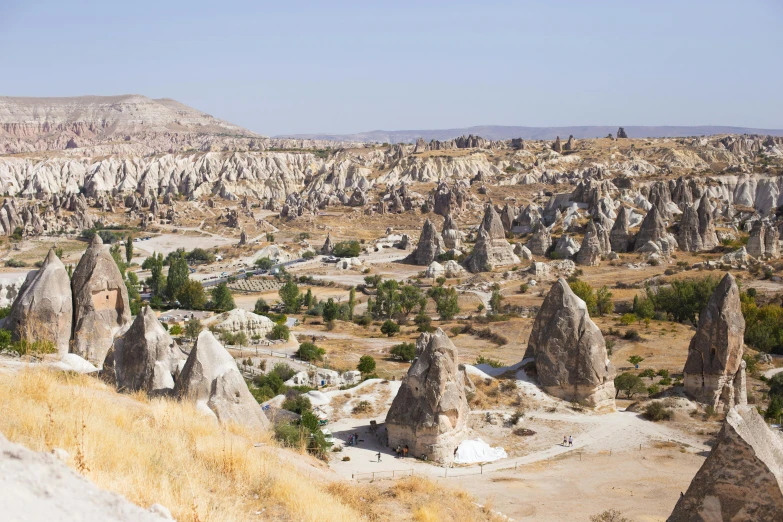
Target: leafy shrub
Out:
[366,364]
[347,249]
[389,328]
[310,352]
[15,263]
[494,363]
[298,404]
[629,383]
[655,411]
[403,352]
[632,335]
[280,331]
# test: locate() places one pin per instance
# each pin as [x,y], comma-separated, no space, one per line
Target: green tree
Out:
[351,302]
[683,299]
[446,302]
[403,351]
[331,310]
[387,299]
[310,352]
[156,281]
[193,328]
[114,250]
[280,331]
[423,322]
[603,301]
[372,281]
[389,328]
[175,330]
[309,301]
[495,300]
[192,295]
[649,373]
[179,274]
[261,307]
[347,249]
[264,263]
[366,365]
[289,295]
[222,299]
[629,383]
[128,249]
[585,292]
[635,359]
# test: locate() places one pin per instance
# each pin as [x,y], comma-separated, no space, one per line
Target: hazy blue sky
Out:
[337,66]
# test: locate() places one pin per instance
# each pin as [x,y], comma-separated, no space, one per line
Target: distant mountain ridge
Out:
[499,132]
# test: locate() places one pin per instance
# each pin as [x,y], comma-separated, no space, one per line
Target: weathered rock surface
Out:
[689,238]
[621,133]
[620,237]
[714,371]
[590,252]
[653,237]
[491,249]
[709,238]
[212,380]
[566,247]
[328,246]
[240,320]
[742,478]
[100,303]
[756,245]
[452,238]
[430,412]
[43,309]
[146,357]
[540,240]
[430,245]
[570,351]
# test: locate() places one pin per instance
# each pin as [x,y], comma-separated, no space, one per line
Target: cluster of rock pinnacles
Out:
[89,315]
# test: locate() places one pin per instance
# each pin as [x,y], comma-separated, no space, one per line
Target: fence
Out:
[393,474]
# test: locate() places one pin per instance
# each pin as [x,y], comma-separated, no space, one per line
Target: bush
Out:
[683,299]
[347,249]
[389,328]
[632,335]
[298,404]
[423,323]
[655,411]
[308,255]
[363,320]
[175,330]
[366,364]
[494,363]
[610,515]
[15,263]
[264,263]
[310,352]
[628,319]
[403,352]
[280,331]
[261,306]
[523,288]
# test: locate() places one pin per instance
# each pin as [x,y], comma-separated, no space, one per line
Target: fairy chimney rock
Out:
[100,303]
[714,370]
[570,351]
[430,412]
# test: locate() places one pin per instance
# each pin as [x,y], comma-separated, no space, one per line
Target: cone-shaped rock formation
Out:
[430,412]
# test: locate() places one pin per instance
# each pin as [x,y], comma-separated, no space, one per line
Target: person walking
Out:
[565,440]
[398,450]
[570,441]
[379,456]
[405,451]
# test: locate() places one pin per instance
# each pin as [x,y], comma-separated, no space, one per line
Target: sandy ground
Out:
[166,243]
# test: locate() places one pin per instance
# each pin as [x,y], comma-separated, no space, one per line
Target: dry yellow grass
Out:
[161,451]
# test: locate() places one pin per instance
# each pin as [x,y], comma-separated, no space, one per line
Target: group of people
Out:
[401,450]
[353,439]
[568,441]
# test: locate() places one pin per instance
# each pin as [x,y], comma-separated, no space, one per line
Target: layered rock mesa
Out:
[43,309]
[100,303]
[211,379]
[714,371]
[146,358]
[430,413]
[570,351]
[742,479]
[491,250]
[128,122]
